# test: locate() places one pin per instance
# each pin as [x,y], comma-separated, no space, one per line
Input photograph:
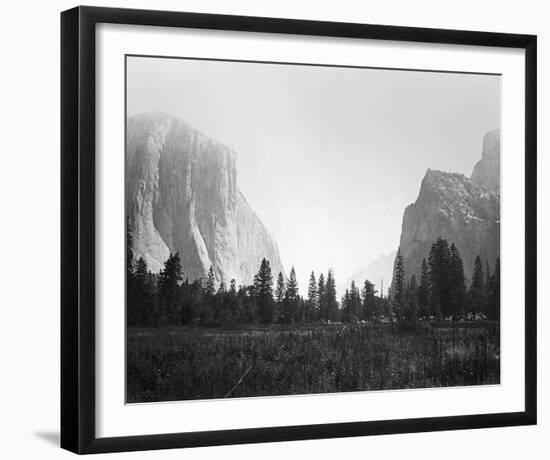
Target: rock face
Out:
[461,210]
[182,196]
[486,172]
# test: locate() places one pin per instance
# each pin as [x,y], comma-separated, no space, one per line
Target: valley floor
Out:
[181,363]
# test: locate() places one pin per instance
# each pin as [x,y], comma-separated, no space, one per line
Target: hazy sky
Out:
[327,157]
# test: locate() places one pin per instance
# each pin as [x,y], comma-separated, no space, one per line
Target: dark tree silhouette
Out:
[346,306]
[291,302]
[399,287]
[279,297]
[424,291]
[210,286]
[322,298]
[399,277]
[439,262]
[457,287]
[356,305]
[331,302]
[207,313]
[312,308]
[263,292]
[369,301]
[169,279]
[477,294]
[164,299]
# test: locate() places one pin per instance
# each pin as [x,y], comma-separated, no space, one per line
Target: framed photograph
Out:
[279,229]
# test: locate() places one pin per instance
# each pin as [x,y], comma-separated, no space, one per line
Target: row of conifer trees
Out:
[441,291]
[170,298]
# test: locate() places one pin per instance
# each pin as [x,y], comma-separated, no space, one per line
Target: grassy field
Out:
[179,363]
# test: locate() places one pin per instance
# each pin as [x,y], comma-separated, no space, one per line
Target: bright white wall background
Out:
[29,230]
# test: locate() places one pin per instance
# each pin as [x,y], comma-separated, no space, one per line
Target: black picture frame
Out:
[78,187]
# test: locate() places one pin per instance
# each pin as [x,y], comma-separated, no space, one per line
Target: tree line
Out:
[170,298]
[441,291]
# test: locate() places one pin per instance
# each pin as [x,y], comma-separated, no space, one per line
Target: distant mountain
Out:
[461,210]
[182,196]
[377,272]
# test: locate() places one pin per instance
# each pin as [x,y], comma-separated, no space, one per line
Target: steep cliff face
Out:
[461,210]
[486,172]
[182,196]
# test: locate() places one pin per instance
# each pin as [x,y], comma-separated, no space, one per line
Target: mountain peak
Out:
[486,172]
[452,193]
[436,178]
[461,210]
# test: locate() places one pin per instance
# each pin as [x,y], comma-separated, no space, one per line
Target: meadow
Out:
[183,362]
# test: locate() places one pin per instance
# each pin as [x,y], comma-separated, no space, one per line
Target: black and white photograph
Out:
[297,229]
[270,230]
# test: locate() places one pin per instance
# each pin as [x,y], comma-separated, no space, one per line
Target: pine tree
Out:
[322,298]
[331,302]
[439,263]
[207,313]
[280,290]
[355,299]
[210,287]
[457,286]
[399,287]
[291,302]
[312,299]
[399,279]
[424,291]
[346,306]
[263,292]
[169,278]
[279,298]
[477,294]
[369,301]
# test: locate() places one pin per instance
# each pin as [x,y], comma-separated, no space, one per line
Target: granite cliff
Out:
[182,196]
[462,210]
[486,172]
